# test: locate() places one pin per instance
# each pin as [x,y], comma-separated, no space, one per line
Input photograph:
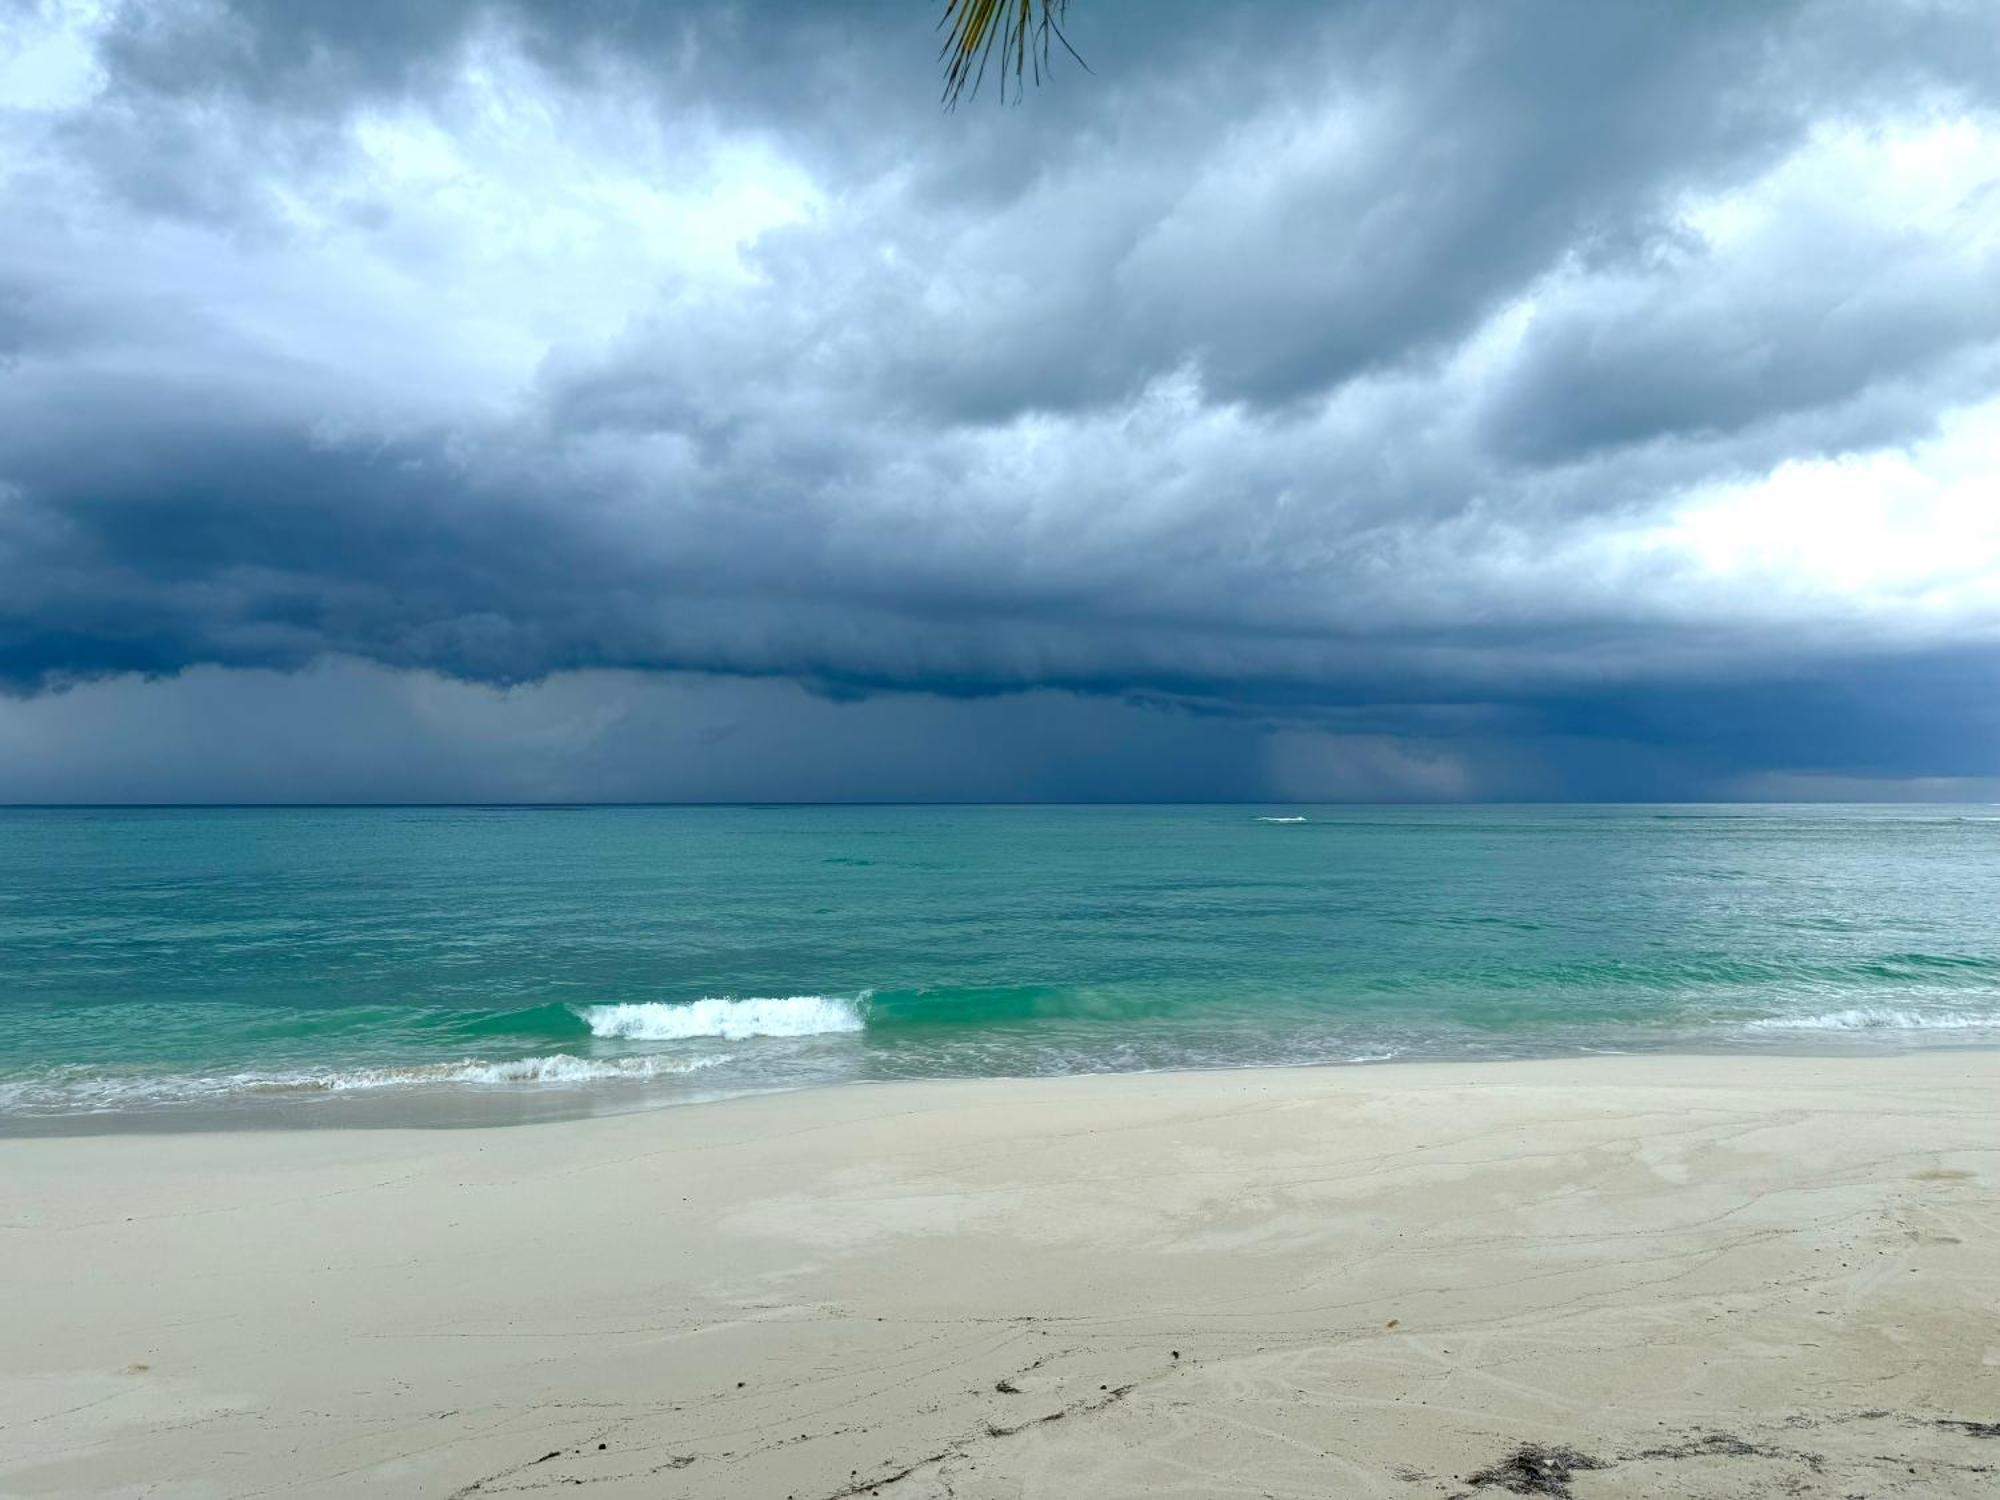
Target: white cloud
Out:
[1899,541]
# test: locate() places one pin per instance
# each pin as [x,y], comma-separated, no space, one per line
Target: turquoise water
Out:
[153,960]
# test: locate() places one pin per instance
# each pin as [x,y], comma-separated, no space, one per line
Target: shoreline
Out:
[1709,1275]
[464,1107]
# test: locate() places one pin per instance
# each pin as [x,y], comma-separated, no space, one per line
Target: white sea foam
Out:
[1882,1019]
[76,1088]
[1280,820]
[559,1067]
[731,1019]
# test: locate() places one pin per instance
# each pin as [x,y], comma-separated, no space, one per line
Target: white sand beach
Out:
[1659,1276]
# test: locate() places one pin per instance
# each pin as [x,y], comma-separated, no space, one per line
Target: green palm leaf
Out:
[1018,30]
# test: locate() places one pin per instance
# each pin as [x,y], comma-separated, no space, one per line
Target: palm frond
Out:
[1019,31]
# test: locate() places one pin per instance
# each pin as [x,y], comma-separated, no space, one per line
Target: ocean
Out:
[381,965]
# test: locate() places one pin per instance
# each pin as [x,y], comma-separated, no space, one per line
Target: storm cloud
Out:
[1362,399]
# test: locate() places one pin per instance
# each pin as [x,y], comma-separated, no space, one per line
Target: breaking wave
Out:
[730,1019]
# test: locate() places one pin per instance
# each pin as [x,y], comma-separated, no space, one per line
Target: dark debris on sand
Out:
[1535,1470]
[1716,1445]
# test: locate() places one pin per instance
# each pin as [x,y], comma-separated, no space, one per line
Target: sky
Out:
[629,400]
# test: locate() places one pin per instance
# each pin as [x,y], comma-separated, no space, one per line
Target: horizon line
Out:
[969,802]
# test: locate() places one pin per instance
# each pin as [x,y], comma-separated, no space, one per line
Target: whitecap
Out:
[727,1017]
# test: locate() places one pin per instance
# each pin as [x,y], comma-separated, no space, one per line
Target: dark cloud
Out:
[343,731]
[1687,346]
[1429,397]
